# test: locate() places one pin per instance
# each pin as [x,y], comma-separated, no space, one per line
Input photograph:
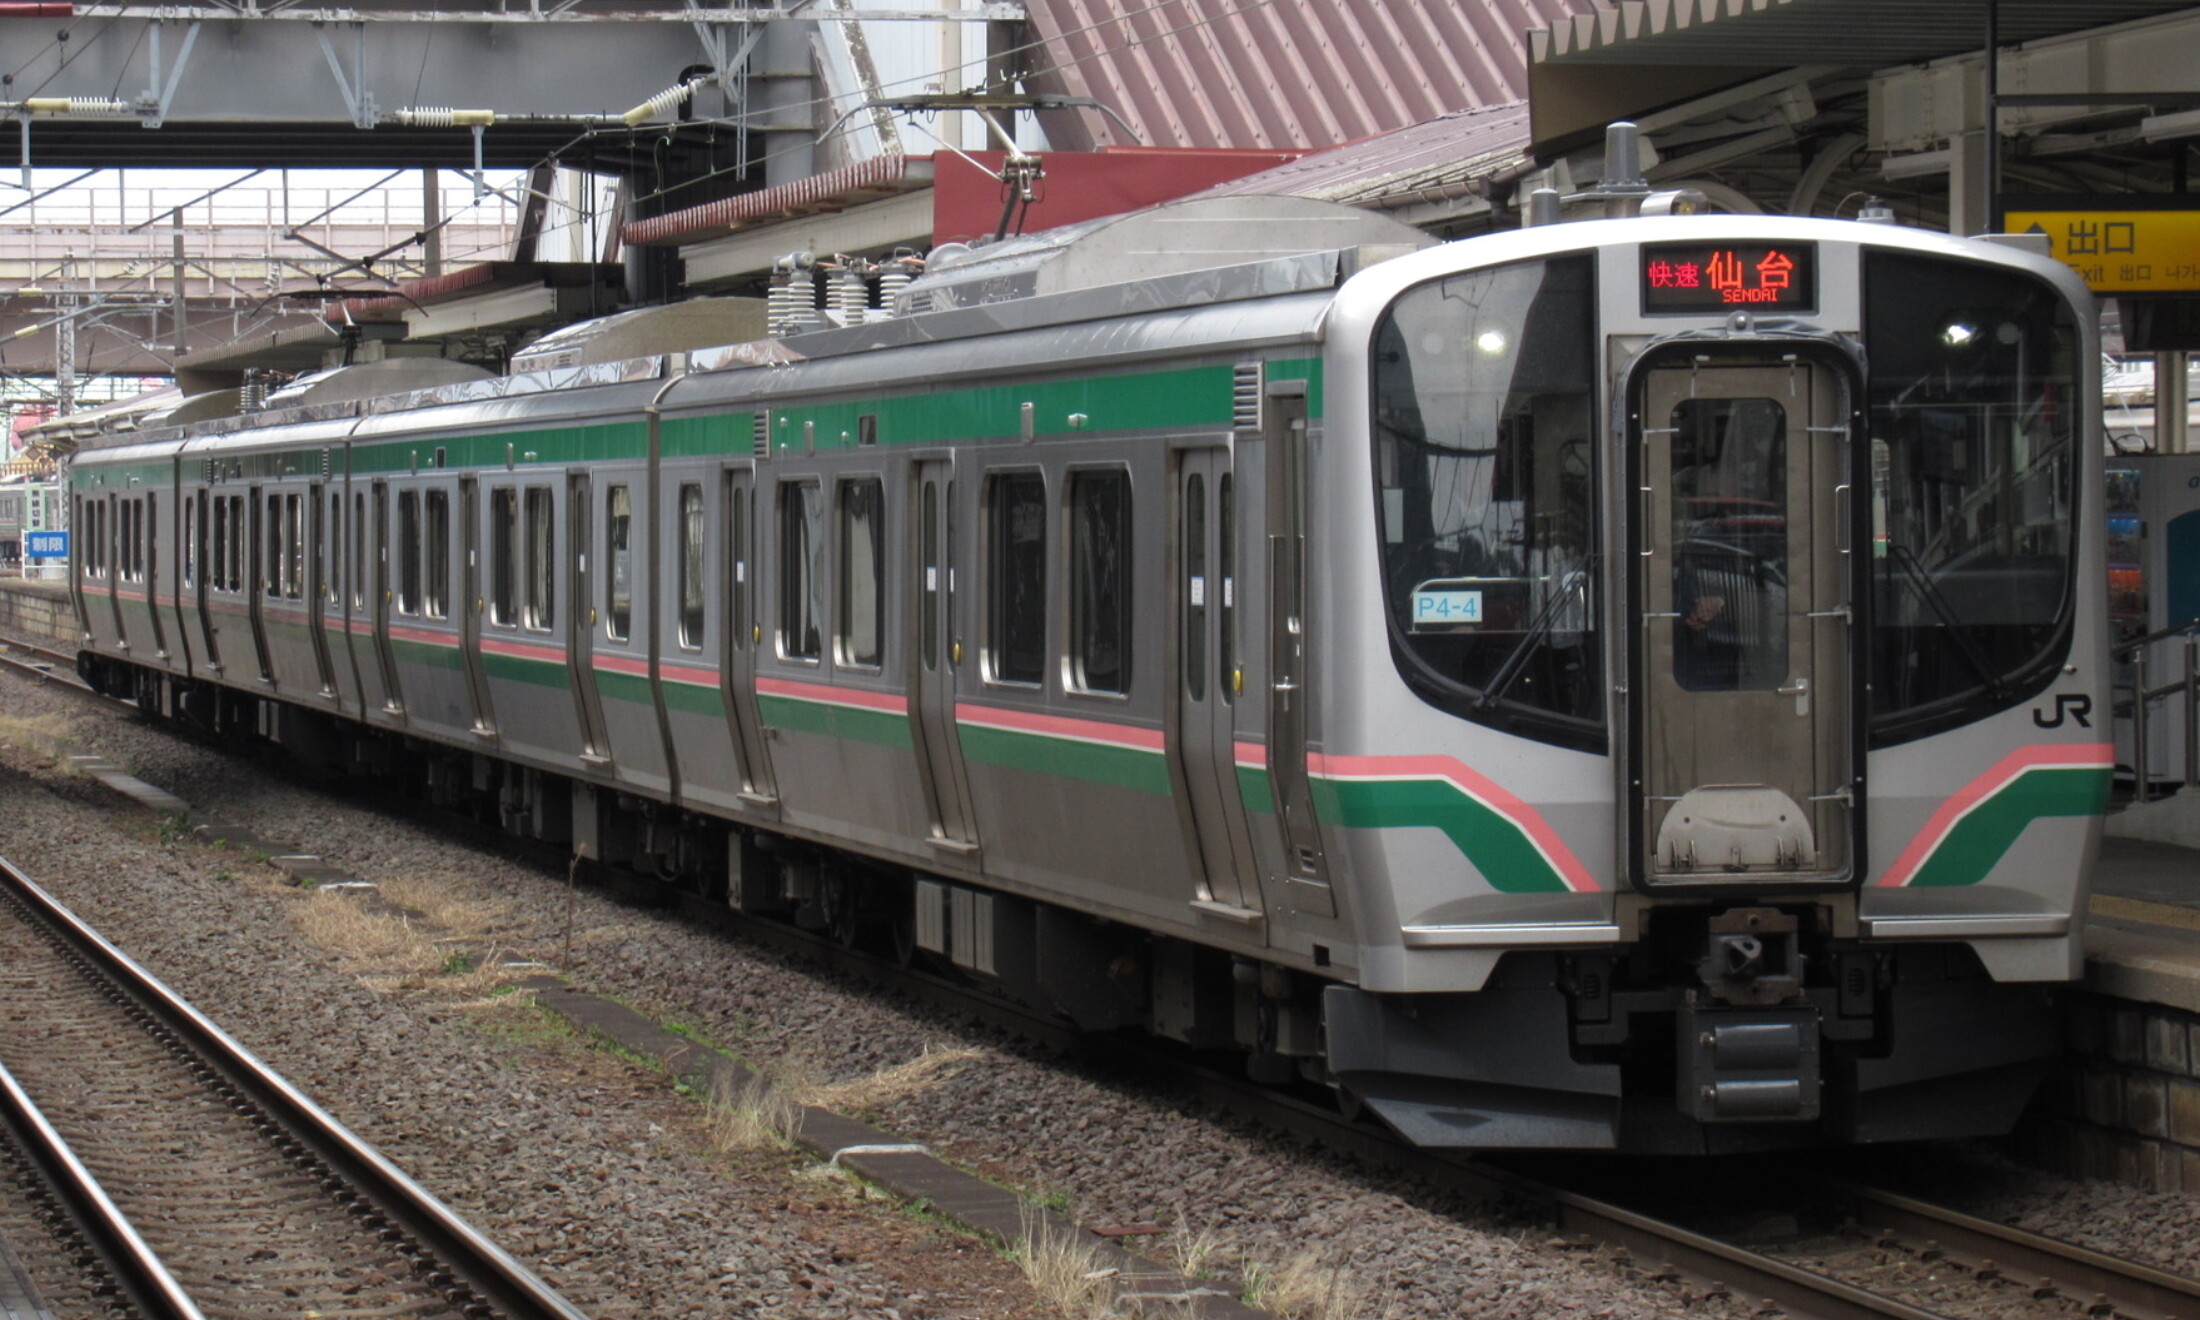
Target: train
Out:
[1631,683]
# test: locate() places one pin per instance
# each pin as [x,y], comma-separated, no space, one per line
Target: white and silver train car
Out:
[1625,684]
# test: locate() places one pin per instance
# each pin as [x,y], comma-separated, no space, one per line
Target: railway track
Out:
[37,660]
[205,1183]
[2010,1269]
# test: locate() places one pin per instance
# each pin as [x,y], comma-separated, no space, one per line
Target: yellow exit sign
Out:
[2120,251]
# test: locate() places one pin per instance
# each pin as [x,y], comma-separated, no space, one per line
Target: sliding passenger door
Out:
[932,677]
[581,621]
[470,606]
[317,588]
[743,634]
[1208,675]
[264,555]
[393,697]
[205,573]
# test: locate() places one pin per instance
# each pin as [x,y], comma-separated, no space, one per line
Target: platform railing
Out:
[2139,699]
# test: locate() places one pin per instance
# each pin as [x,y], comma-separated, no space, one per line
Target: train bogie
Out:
[1610,685]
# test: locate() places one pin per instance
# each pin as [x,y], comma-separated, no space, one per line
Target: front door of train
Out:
[1744,676]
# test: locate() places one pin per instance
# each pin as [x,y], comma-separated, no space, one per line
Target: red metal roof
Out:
[1278,73]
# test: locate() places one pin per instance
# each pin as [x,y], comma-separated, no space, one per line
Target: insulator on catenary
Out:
[443,116]
[663,103]
[88,106]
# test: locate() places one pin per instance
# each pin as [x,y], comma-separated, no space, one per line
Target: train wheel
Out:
[838,894]
[905,937]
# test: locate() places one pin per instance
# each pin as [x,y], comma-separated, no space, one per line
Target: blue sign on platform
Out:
[46,545]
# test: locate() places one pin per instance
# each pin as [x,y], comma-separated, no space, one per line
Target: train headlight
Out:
[1958,334]
[1492,342]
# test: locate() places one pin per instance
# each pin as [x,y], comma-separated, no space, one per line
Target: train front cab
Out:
[1799,741]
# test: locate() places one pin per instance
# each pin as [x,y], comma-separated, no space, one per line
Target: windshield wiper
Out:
[1914,574]
[1540,627]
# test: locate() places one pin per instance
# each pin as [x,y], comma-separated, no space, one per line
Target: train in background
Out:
[1632,683]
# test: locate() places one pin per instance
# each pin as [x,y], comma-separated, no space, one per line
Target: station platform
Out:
[2143,928]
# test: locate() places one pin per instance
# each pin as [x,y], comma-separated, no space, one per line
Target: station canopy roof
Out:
[1627,59]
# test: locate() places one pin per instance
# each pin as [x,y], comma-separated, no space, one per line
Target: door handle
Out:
[1798,688]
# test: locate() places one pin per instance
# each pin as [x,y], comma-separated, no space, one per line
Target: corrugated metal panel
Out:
[866,180]
[1442,158]
[1226,73]
[1865,33]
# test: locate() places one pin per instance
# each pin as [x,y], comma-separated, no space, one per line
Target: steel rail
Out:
[143,1280]
[1796,1291]
[505,1284]
[2075,1271]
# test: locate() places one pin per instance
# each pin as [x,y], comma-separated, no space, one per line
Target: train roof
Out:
[1027,303]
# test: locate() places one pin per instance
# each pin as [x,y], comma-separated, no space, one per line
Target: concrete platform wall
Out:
[2127,1105]
[39,611]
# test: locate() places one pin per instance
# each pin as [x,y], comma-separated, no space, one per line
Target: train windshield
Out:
[1973,414]
[1484,391]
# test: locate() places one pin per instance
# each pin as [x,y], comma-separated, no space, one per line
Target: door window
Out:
[1729,538]
[862,567]
[619,582]
[1015,578]
[1100,581]
[801,584]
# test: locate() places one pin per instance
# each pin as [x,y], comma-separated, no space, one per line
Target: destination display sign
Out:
[1722,277]
[2118,251]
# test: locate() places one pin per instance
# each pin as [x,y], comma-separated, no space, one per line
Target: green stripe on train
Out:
[527,669]
[695,699]
[1255,790]
[883,728]
[1977,843]
[1494,843]
[424,653]
[1119,767]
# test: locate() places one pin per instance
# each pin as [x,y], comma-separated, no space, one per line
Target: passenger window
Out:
[408,552]
[862,568]
[294,547]
[220,553]
[1100,581]
[539,606]
[619,583]
[236,544]
[436,591]
[1016,563]
[691,565]
[271,564]
[503,551]
[801,591]
[330,554]
[190,542]
[359,553]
